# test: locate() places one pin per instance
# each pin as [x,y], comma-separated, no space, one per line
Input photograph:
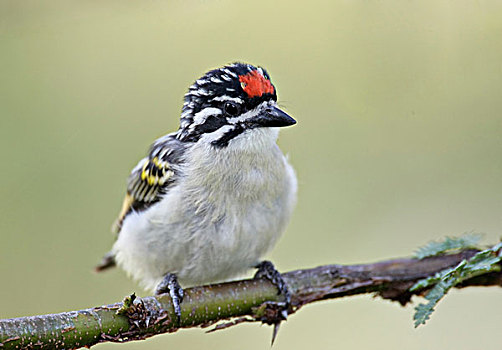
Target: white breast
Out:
[228,209]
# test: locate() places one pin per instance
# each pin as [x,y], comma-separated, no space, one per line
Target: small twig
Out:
[242,301]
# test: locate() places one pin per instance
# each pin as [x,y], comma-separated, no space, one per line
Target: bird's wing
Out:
[152,177]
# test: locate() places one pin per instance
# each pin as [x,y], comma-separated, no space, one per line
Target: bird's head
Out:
[228,101]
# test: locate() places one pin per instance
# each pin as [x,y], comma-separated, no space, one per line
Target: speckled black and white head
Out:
[227,101]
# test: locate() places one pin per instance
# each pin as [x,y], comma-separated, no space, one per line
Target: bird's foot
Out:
[277,311]
[170,285]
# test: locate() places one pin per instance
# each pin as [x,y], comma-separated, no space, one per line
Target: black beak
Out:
[273,117]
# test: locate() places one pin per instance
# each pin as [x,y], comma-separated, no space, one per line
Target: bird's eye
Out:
[231,109]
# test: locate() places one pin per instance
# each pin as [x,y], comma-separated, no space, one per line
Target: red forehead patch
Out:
[255,84]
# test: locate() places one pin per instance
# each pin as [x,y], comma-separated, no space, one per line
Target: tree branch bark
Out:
[246,300]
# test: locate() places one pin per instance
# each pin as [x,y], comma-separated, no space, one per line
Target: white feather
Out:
[227,209]
[201,116]
[251,113]
[228,98]
[229,72]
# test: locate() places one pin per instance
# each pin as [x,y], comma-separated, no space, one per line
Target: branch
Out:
[241,301]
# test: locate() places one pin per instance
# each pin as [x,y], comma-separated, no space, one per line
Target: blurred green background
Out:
[398,142]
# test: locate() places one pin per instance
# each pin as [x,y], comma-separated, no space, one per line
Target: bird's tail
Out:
[107,262]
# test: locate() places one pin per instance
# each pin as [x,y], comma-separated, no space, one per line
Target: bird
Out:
[212,198]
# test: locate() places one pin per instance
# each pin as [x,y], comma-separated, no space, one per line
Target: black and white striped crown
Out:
[240,83]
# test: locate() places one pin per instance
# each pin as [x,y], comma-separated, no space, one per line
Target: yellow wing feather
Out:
[144,186]
[126,207]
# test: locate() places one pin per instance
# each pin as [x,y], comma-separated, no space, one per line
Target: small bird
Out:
[209,200]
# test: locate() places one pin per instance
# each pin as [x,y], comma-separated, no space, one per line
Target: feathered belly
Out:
[218,222]
[229,225]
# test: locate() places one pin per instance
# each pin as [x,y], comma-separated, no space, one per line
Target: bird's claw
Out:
[169,284]
[275,312]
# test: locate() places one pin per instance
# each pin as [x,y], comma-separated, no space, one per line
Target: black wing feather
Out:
[152,177]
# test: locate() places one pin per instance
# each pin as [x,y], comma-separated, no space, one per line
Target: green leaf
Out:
[433,280]
[482,262]
[448,244]
[423,311]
